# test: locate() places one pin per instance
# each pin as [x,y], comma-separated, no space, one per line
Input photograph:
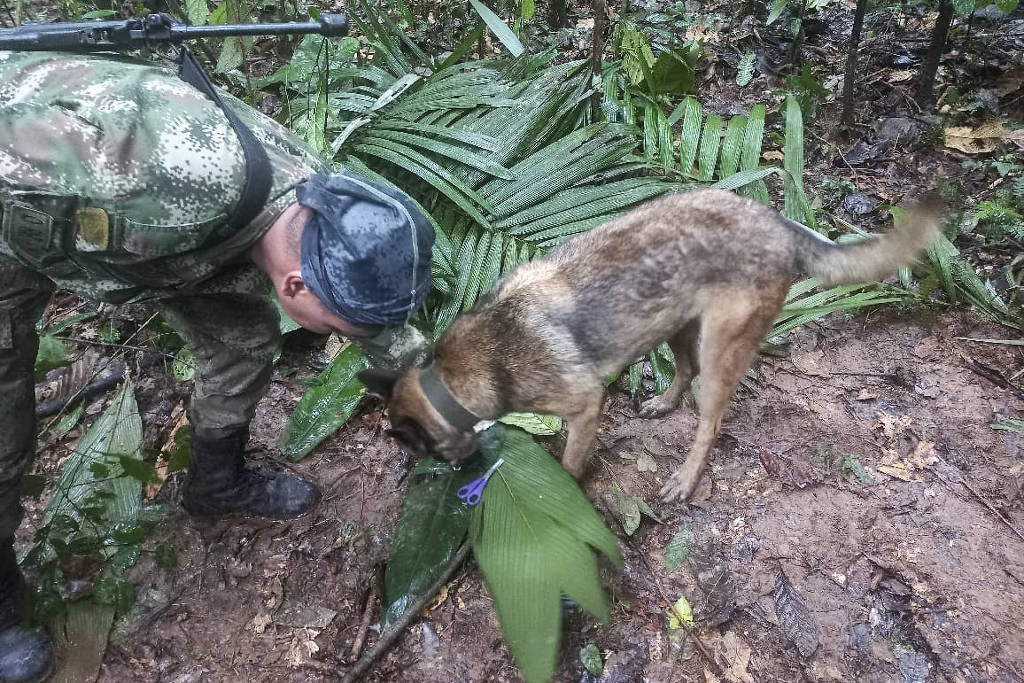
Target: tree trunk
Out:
[851,61]
[558,14]
[926,86]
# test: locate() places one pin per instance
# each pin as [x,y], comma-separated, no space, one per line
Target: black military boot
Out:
[26,655]
[219,485]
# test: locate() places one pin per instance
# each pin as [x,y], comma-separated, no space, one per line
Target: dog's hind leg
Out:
[582,427]
[684,347]
[732,333]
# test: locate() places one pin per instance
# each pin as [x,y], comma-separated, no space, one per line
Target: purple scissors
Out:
[470,493]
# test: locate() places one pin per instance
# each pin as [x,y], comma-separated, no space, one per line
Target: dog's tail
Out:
[876,257]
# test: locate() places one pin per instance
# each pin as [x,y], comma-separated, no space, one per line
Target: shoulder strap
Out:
[257,166]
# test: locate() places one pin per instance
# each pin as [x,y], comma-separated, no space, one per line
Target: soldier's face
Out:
[305,308]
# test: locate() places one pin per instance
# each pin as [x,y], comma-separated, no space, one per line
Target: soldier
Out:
[122,182]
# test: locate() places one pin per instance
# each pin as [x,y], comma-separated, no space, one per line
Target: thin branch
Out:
[411,612]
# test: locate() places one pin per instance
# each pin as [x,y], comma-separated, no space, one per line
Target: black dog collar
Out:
[443,401]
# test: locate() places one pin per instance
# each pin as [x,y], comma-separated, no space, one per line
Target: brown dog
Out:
[708,265]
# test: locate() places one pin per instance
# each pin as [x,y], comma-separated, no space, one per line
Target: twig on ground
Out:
[679,617]
[368,610]
[974,492]
[411,612]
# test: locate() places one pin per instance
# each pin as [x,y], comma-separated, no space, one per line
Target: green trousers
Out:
[233,337]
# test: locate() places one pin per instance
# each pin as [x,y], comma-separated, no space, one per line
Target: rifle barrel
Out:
[137,33]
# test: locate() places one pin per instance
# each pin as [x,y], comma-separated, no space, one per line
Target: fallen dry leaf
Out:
[983,139]
[734,657]
[260,622]
[901,75]
[1010,81]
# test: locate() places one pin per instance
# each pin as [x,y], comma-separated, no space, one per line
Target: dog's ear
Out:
[380,383]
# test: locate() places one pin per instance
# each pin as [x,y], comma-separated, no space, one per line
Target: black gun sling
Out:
[257,166]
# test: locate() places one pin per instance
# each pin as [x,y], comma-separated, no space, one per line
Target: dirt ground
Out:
[800,569]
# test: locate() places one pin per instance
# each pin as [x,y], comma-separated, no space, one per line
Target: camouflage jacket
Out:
[117,178]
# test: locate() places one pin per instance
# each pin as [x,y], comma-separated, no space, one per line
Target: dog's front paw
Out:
[659,406]
[679,487]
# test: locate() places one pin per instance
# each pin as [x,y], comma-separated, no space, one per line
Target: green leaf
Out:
[590,657]
[680,609]
[115,592]
[184,366]
[690,137]
[165,556]
[429,532]
[852,465]
[541,425]
[138,469]
[196,11]
[672,74]
[127,533]
[678,549]
[68,421]
[963,7]
[534,534]
[777,9]
[709,143]
[797,207]
[326,405]
[501,31]
[53,353]
[745,69]
[115,436]
[124,559]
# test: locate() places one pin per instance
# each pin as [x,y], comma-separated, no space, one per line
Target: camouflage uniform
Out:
[117,180]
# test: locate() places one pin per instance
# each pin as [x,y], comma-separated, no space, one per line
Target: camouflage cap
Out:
[366,250]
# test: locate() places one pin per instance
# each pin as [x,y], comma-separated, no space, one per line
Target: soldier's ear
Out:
[380,383]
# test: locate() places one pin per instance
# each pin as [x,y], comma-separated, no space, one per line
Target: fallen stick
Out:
[412,611]
[364,625]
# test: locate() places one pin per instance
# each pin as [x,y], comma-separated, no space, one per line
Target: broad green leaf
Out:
[197,12]
[745,70]
[541,425]
[184,366]
[732,146]
[709,143]
[777,9]
[534,535]
[115,437]
[527,11]
[116,592]
[68,421]
[672,75]
[690,137]
[165,556]
[498,27]
[590,657]
[53,353]
[750,157]
[681,610]
[428,535]
[326,405]
[678,549]
[963,7]
[796,206]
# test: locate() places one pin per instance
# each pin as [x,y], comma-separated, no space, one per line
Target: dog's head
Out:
[415,422]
